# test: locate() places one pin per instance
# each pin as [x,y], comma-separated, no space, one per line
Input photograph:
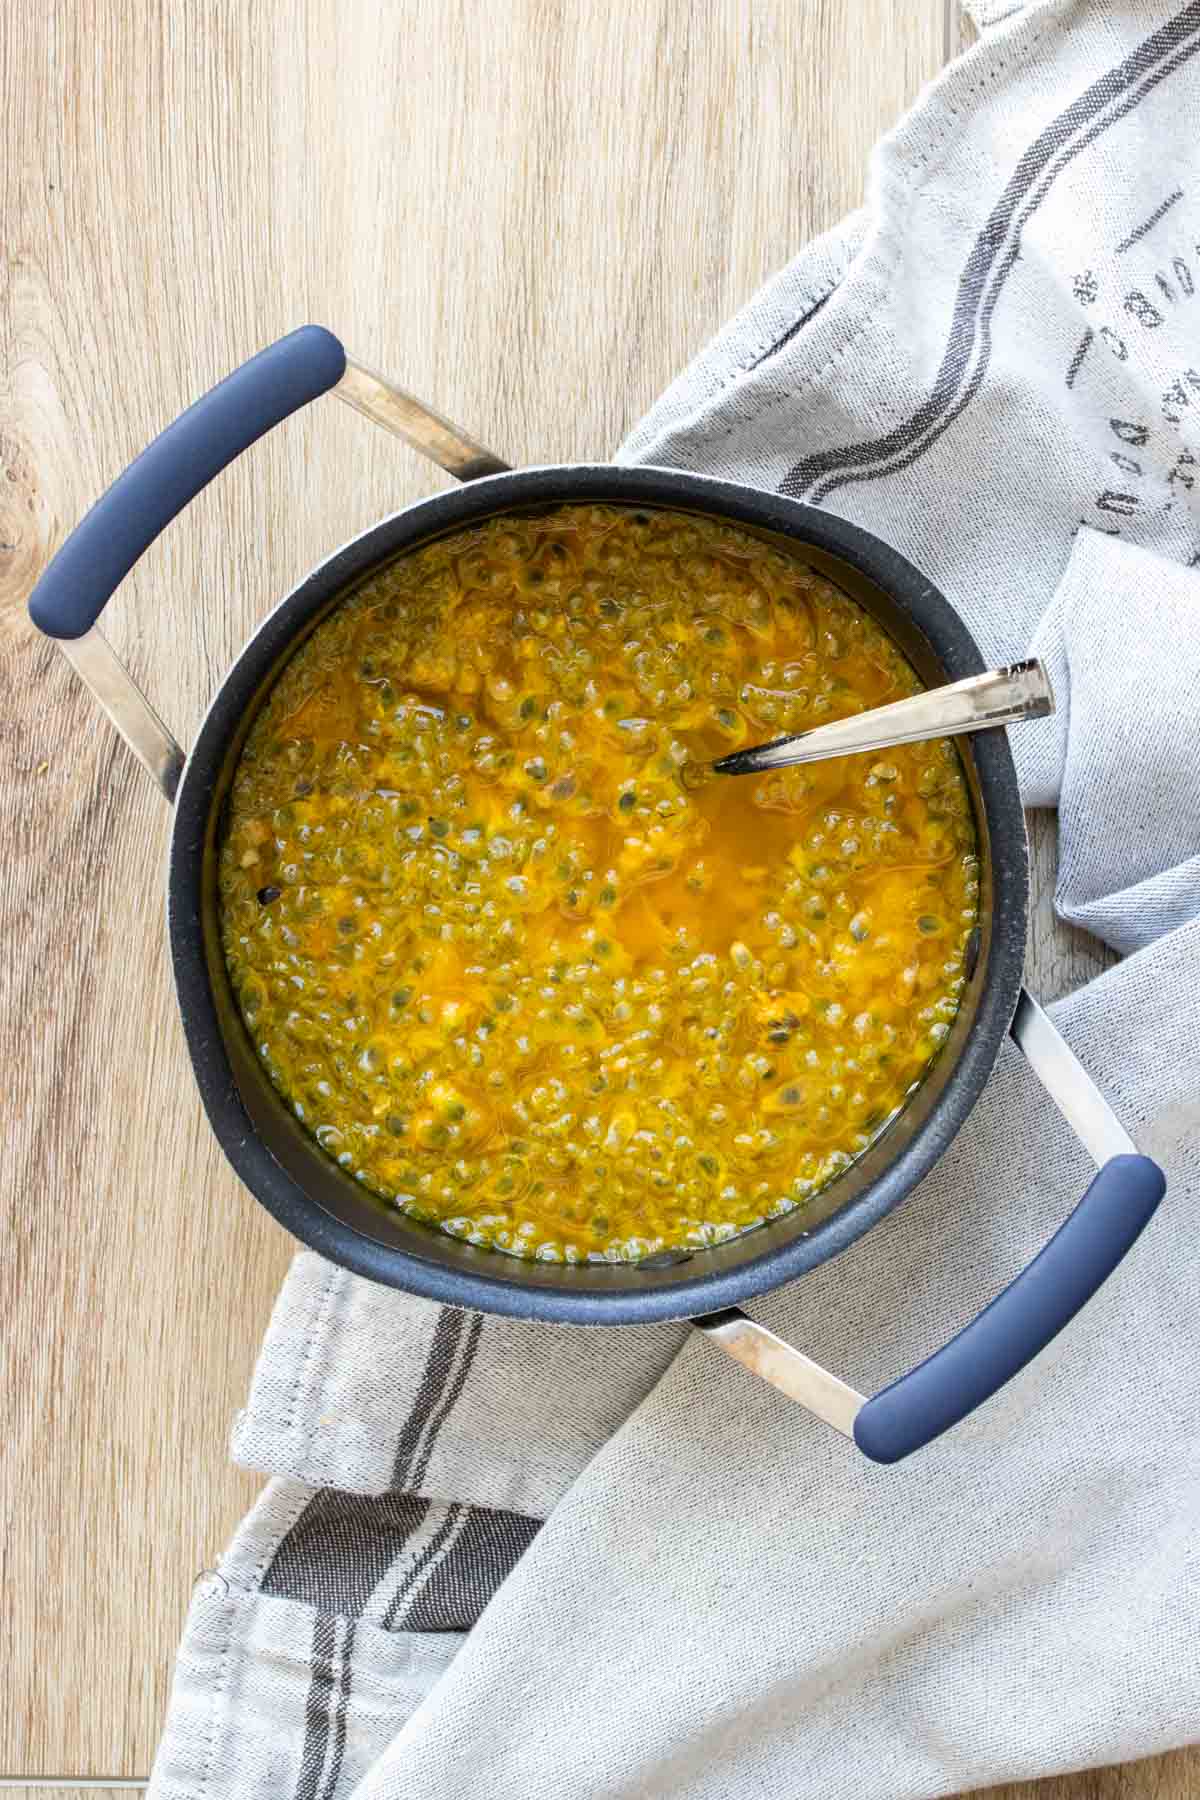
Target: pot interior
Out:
[325,1206]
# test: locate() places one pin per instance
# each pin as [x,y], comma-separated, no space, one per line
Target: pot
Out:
[323,1206]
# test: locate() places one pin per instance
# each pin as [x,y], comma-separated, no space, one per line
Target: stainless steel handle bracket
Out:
[787,1369]
[113,688]
[1068,1083]
[408,418]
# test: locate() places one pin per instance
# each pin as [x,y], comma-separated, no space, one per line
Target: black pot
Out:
[323,1206]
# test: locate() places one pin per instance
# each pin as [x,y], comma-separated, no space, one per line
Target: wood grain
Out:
[534,213]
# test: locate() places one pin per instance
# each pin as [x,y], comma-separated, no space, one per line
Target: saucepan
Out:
[322,1205]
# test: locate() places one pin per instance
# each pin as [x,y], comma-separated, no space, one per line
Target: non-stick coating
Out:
[327,1209]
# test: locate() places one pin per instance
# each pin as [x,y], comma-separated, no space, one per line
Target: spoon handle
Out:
[1000,697]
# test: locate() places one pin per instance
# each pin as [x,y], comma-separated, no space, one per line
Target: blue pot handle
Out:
[1021,1321]
[124,522]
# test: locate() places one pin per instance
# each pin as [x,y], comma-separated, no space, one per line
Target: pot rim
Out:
[496,1283]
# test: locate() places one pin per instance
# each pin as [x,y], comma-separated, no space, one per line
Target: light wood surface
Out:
[533,212]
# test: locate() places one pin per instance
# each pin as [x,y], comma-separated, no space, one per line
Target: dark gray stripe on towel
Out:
[316,1708]
[341,1547]
[448,1331]
[485,1553]
[474,1332]
[432,1549]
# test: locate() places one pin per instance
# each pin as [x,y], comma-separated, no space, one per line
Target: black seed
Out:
[628,801]
[397,1125]
[528,707]
[401,997]
[346,927]
[709,1164]
[438,827]
[779,1035]
[267,894]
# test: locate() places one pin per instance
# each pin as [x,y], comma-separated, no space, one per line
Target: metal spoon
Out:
[981,702]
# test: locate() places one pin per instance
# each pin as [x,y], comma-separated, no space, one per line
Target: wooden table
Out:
[534,213]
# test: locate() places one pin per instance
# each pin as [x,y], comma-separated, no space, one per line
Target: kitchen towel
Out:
[994,365]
